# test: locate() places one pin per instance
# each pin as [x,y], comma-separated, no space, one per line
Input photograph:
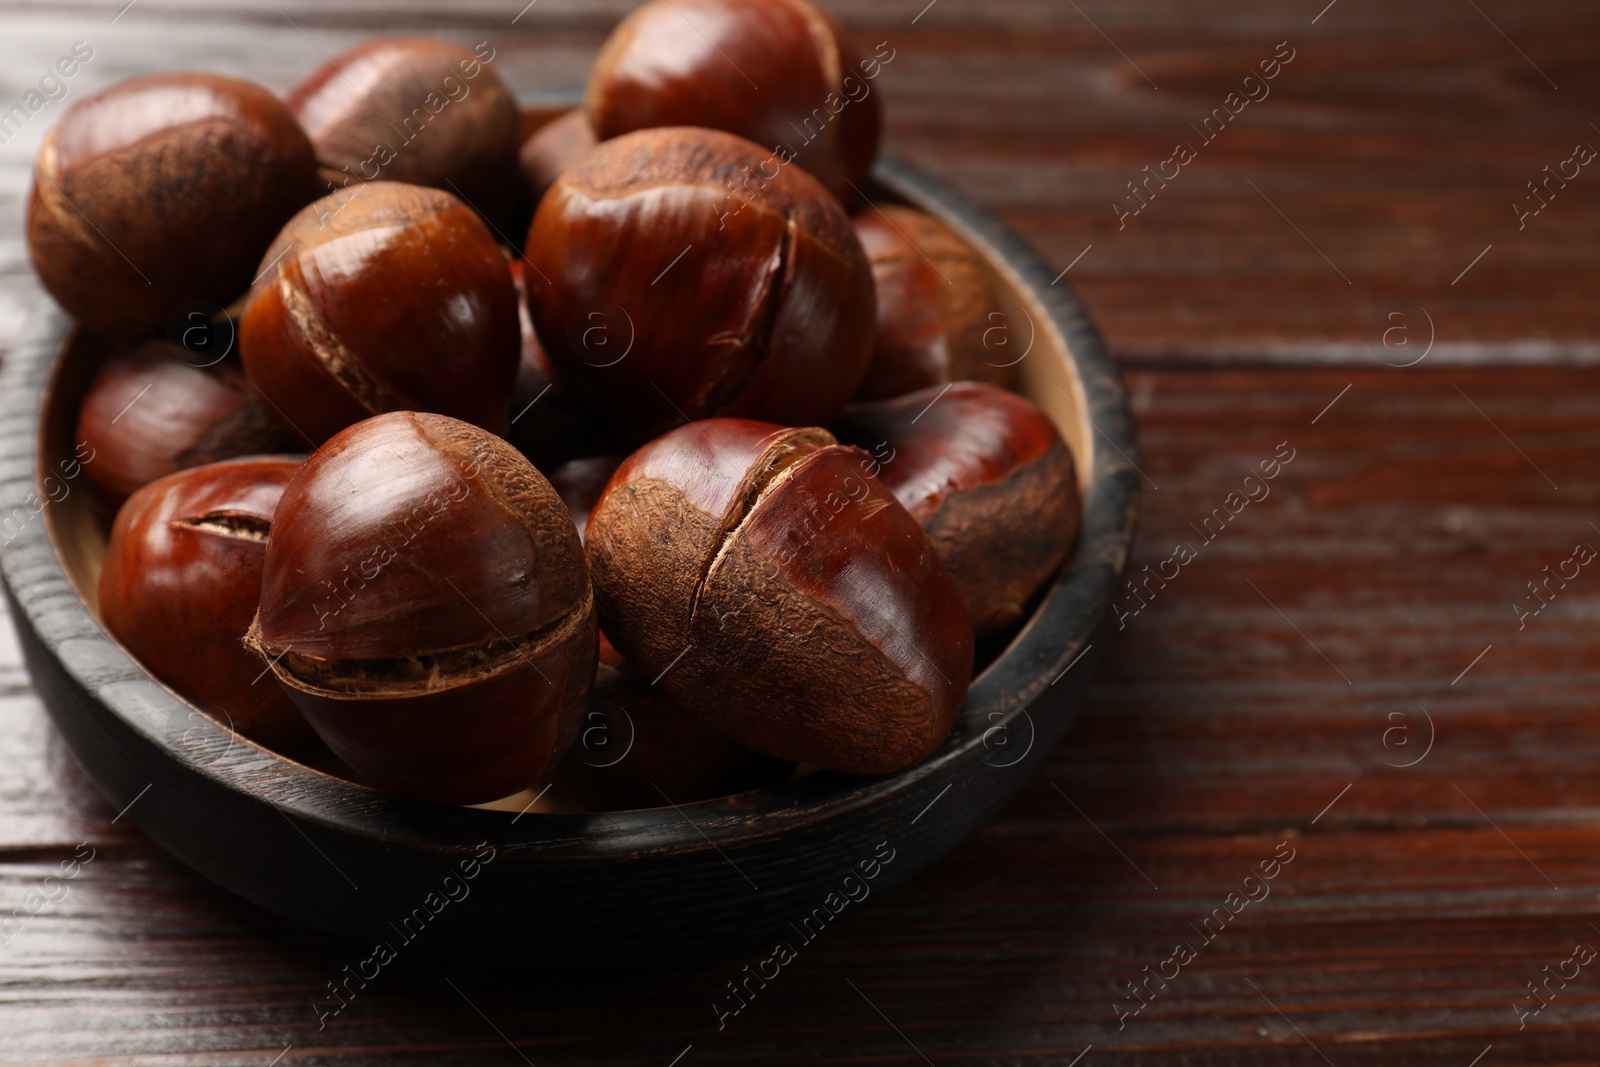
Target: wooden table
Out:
[1341,675]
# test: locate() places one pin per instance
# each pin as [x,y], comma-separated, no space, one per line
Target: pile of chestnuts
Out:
[644,457]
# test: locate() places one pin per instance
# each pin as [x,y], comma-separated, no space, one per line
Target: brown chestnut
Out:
[773,588]
[179,586]
[395,300]
[637,749]
[547,423]
[691,63]
[987,474]
[669,284]
[151,412]
[426,604]
[414,110]
[551,150]
[581,482]
[163,190]
[939,319]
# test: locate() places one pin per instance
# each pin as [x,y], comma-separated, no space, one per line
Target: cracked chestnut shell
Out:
[395,300]
[426,604]
[987,474]
[668,284]
[939,318]
[782,595]
[180,583]
[414,110]
[150,413]
[637,749]
[163,190]
[691,63]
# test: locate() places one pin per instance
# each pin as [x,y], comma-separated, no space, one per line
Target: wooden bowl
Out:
[576,890]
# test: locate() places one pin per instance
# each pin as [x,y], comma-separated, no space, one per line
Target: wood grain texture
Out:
[1418,903]
[1394,144]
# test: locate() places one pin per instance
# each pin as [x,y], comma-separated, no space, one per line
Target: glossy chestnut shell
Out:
[637,749]
[777,72]
[552,149]
[426,604]
[414,110]
[581,483]
[395,300]
[180,583]
[772,587]
[669,283]
[939,319]
[547,422]
[160,191]
[151,412]
[987,474]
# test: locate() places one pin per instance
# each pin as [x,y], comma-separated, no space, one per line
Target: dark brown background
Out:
[1288,662]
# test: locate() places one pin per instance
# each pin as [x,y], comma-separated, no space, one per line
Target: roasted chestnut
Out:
[939,319]
[397,300]
[581,482]
[426,604]
[771,586]
[637,749]
[547,422]
[551,150]
[691,63]
[669,283]
[414,110]
[163,190]
[986,473]
[151,412]
[179,587]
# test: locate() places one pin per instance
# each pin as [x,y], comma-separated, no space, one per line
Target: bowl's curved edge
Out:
[300,843]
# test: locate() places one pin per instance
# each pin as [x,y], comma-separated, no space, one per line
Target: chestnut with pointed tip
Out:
[426,604]
[781,594]
[987,474]
[637,749]
[161,190]
[414,110]
[691,63]
[939,318]
[180,583]
[667,284]
[151,412]
[394,300]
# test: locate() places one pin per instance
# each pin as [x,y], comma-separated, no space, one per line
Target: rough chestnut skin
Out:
[782,595]
[986,473]
[150,413]
[669,283]
[179,586]
[163,190]
[395,300]
[415,110]
[639,750]
[939,318]
[426,604]
[778,72]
